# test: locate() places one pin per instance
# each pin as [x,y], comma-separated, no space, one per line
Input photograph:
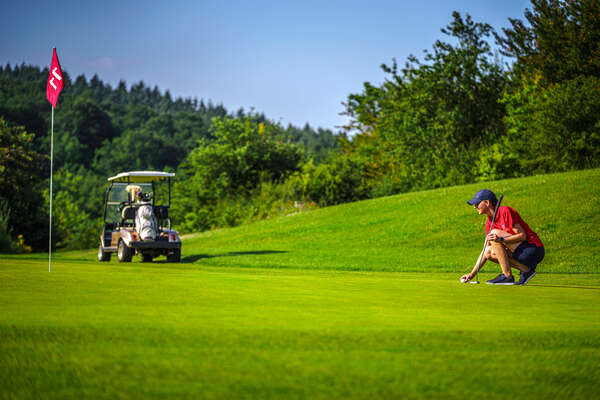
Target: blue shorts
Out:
[529,254]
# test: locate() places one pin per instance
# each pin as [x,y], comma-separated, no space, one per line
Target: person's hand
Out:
[466,278]
[493,237]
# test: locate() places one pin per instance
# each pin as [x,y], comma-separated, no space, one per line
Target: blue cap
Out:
[483,194]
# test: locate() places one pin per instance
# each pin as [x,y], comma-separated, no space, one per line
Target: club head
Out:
[475,282]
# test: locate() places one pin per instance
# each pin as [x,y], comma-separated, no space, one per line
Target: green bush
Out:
[555,128]
[496,162]
[22,171]
[234,178]
[73,227]
[341,180]
[5,238]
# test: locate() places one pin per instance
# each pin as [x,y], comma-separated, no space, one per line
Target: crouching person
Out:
[511,242]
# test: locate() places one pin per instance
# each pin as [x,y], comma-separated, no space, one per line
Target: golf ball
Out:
[463,280]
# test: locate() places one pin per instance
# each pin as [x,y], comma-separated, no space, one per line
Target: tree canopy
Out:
[480,105]
[101,131]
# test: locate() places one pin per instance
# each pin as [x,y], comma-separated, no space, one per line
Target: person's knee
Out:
[497,248]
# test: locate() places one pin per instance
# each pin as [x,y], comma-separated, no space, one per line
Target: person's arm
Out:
[476,268]
[518,235]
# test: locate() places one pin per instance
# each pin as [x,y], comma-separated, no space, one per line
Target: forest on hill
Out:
[481,105]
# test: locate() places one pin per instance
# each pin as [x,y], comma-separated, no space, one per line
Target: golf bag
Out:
[145,222]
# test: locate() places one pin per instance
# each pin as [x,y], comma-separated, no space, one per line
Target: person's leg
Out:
[499,253]
[517,265]
[530,255]
[511,261]
[509,249]
[502,253]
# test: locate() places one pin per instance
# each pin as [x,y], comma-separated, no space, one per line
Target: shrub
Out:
[556,128]
[5,238]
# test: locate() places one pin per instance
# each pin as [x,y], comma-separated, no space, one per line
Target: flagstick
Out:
[51,166]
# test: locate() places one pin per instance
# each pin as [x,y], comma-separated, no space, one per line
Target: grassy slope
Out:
[207,328]
[426,231]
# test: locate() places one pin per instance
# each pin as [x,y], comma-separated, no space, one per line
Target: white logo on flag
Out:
[57,76]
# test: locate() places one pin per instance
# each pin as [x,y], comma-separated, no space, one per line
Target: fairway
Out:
[91,330]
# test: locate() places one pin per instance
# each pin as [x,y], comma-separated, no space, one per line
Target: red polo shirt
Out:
[506,219]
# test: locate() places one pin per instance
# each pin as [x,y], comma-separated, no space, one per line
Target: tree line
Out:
[480,105]
[471,111]
[99,132]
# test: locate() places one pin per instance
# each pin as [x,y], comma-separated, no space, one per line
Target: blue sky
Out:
[296,61]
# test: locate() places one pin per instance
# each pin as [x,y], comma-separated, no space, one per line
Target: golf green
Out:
[92,330]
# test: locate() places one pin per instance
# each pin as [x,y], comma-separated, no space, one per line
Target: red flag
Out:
[55,80]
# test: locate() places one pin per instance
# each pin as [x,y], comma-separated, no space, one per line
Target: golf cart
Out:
[136,218]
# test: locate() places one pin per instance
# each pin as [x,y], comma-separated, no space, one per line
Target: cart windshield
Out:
[119,197]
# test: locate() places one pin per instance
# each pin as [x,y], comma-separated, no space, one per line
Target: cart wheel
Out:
[103,255]
[124,252]
[175,256]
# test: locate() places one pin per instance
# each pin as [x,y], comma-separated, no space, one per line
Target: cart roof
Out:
[141,176]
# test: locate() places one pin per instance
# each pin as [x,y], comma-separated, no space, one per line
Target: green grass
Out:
[356,301]
[416,232]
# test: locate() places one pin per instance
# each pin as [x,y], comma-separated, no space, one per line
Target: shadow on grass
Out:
[196,257]
[567,286]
